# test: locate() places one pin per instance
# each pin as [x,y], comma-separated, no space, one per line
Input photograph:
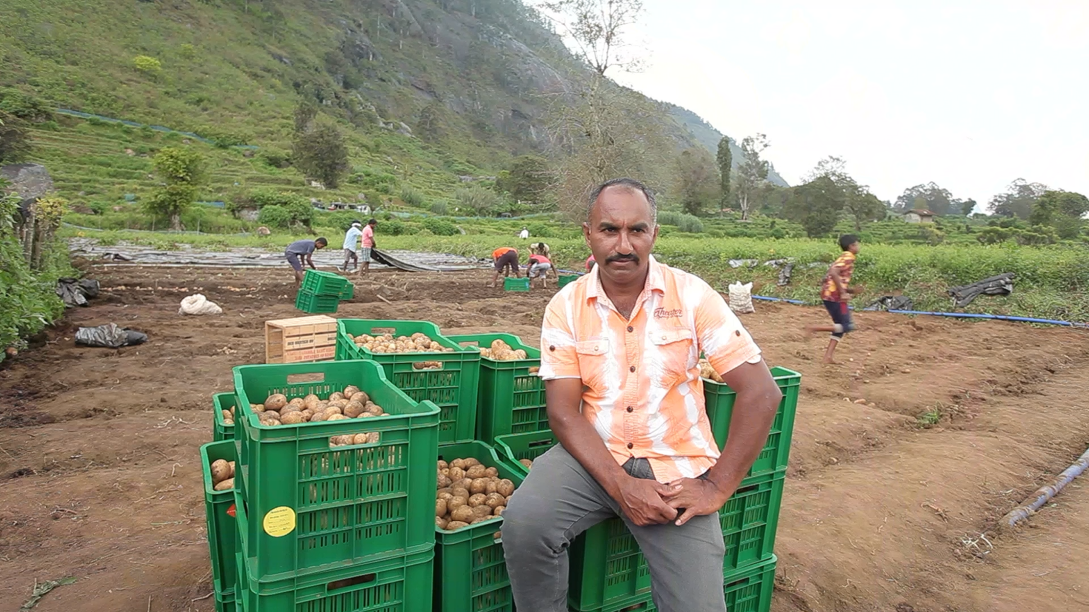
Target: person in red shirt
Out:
[367,246]
[538,267]
[836,292]
[506,260]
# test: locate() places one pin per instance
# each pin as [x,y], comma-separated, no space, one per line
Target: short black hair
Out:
[321,240]
[846,240]
[629,183]
[373,221]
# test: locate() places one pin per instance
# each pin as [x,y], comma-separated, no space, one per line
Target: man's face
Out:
[621,234]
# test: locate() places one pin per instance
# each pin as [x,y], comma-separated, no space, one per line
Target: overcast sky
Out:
[968,94]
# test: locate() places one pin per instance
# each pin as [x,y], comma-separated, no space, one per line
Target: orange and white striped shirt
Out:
[641,383]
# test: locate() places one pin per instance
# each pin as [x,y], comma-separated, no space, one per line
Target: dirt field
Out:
[101,479]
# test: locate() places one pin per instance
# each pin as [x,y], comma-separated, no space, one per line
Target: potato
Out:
[353,409]
[441,522]
[289,408]
[226,414]
[307,415]
[470,462]
[221,471]
[526,462]
[359,438]
[440,507]
[476,471]
[483,511]
[258,408]
[444,471]
[455,525]
[298,401]
[491,473]
[275,401]
[340,440]
[498,510]
[443,465]
[479,485]
[495,500]
[311,401]
[456,473]
[335,417]
[444,481]
[458,463]
[365,415]
[456,502]
[462,513]
[230,464]
[460,492]
[491,486]
[336,395]
[374,437]
[505,488]
[331,410]
[340,403]
[477,499]
[292,418]
[272,423]
[318,416]
[444,495]
[361,397]
[226,485]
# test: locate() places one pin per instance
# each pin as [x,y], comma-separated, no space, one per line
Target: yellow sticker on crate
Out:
[279,521]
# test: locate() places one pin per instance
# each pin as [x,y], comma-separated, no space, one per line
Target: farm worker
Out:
[368,245]
[524,234]
[505,259]
[590,263]
[351,241]
[625,402]
[303,249]
[541,248]
[538,267]
[836,292]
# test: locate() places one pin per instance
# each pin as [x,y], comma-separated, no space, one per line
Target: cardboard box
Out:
[300,339]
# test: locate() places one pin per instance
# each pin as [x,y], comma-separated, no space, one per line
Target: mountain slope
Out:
[708,136]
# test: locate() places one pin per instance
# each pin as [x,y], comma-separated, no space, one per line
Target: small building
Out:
[919,216]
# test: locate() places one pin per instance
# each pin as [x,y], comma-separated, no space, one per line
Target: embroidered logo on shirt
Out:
[662,313]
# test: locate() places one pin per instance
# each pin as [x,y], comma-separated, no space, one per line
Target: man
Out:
[619,356]
[368,245]
[524,234]
[351,241]
[506,259]
[538,267]
[303,249]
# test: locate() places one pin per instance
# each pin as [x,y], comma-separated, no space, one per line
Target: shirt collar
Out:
[655,280]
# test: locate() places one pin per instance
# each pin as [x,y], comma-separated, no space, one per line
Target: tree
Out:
[1017,200]
[1062,210]
[304,115]
[928,197]
[432,124]
[596,27]
[725,159]
[477,200]
[527,180]
[817,205]
[752,174]
[14,141]
[182,172]
[858,202]
[967,207]
[320,153]
[696,183]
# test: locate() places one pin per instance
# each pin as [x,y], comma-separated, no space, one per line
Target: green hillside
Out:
[431,90]
[708,136]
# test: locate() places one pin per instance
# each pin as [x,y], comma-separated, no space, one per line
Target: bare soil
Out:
[890,504]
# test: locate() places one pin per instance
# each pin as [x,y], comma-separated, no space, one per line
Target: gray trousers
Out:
[560,499]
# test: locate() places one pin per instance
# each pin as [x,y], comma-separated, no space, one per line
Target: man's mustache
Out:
[630,257]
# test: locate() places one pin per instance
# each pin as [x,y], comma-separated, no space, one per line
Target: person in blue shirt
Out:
[351,244]
[303,249]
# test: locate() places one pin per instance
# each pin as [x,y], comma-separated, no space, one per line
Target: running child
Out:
[836,292]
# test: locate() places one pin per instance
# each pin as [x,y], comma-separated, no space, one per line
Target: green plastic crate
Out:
[511,397]
[315,304]
[720,406]
[750,590]
[316,282]
[315,507]
[567,279]
[220,429]
[222,538]
[470,570]
[514,447]
[398,583]
[516,284]
[607,566]
[453,387]
[348,292]
[643,603]
[225,604]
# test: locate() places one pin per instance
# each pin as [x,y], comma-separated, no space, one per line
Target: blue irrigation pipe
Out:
[1046,492]
[954,315]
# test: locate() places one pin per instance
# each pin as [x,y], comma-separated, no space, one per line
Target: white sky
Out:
[970,94]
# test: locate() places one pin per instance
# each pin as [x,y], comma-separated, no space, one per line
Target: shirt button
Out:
[630,329]
[630,408]
[630,445]
[632,369]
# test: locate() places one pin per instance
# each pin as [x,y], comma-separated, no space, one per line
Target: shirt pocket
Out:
[592,355]
[674,349]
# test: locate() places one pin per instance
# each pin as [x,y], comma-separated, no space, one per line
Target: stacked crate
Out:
[321,292]
[300,339]
[330,528]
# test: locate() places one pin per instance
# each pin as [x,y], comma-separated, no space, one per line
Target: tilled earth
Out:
[890,503]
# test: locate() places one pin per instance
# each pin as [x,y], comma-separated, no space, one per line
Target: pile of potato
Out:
[501,351]
[469,492]
[228,416]
[526,462]
[222,475]
[708,371]
[351,403]
[386,343]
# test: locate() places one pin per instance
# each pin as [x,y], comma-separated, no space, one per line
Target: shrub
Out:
[540,230]
[274,216]
[691,224]
[411,196]
[439,227]
[25,106]
[147,65]
[438,207]
[276,158]
[476,200]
